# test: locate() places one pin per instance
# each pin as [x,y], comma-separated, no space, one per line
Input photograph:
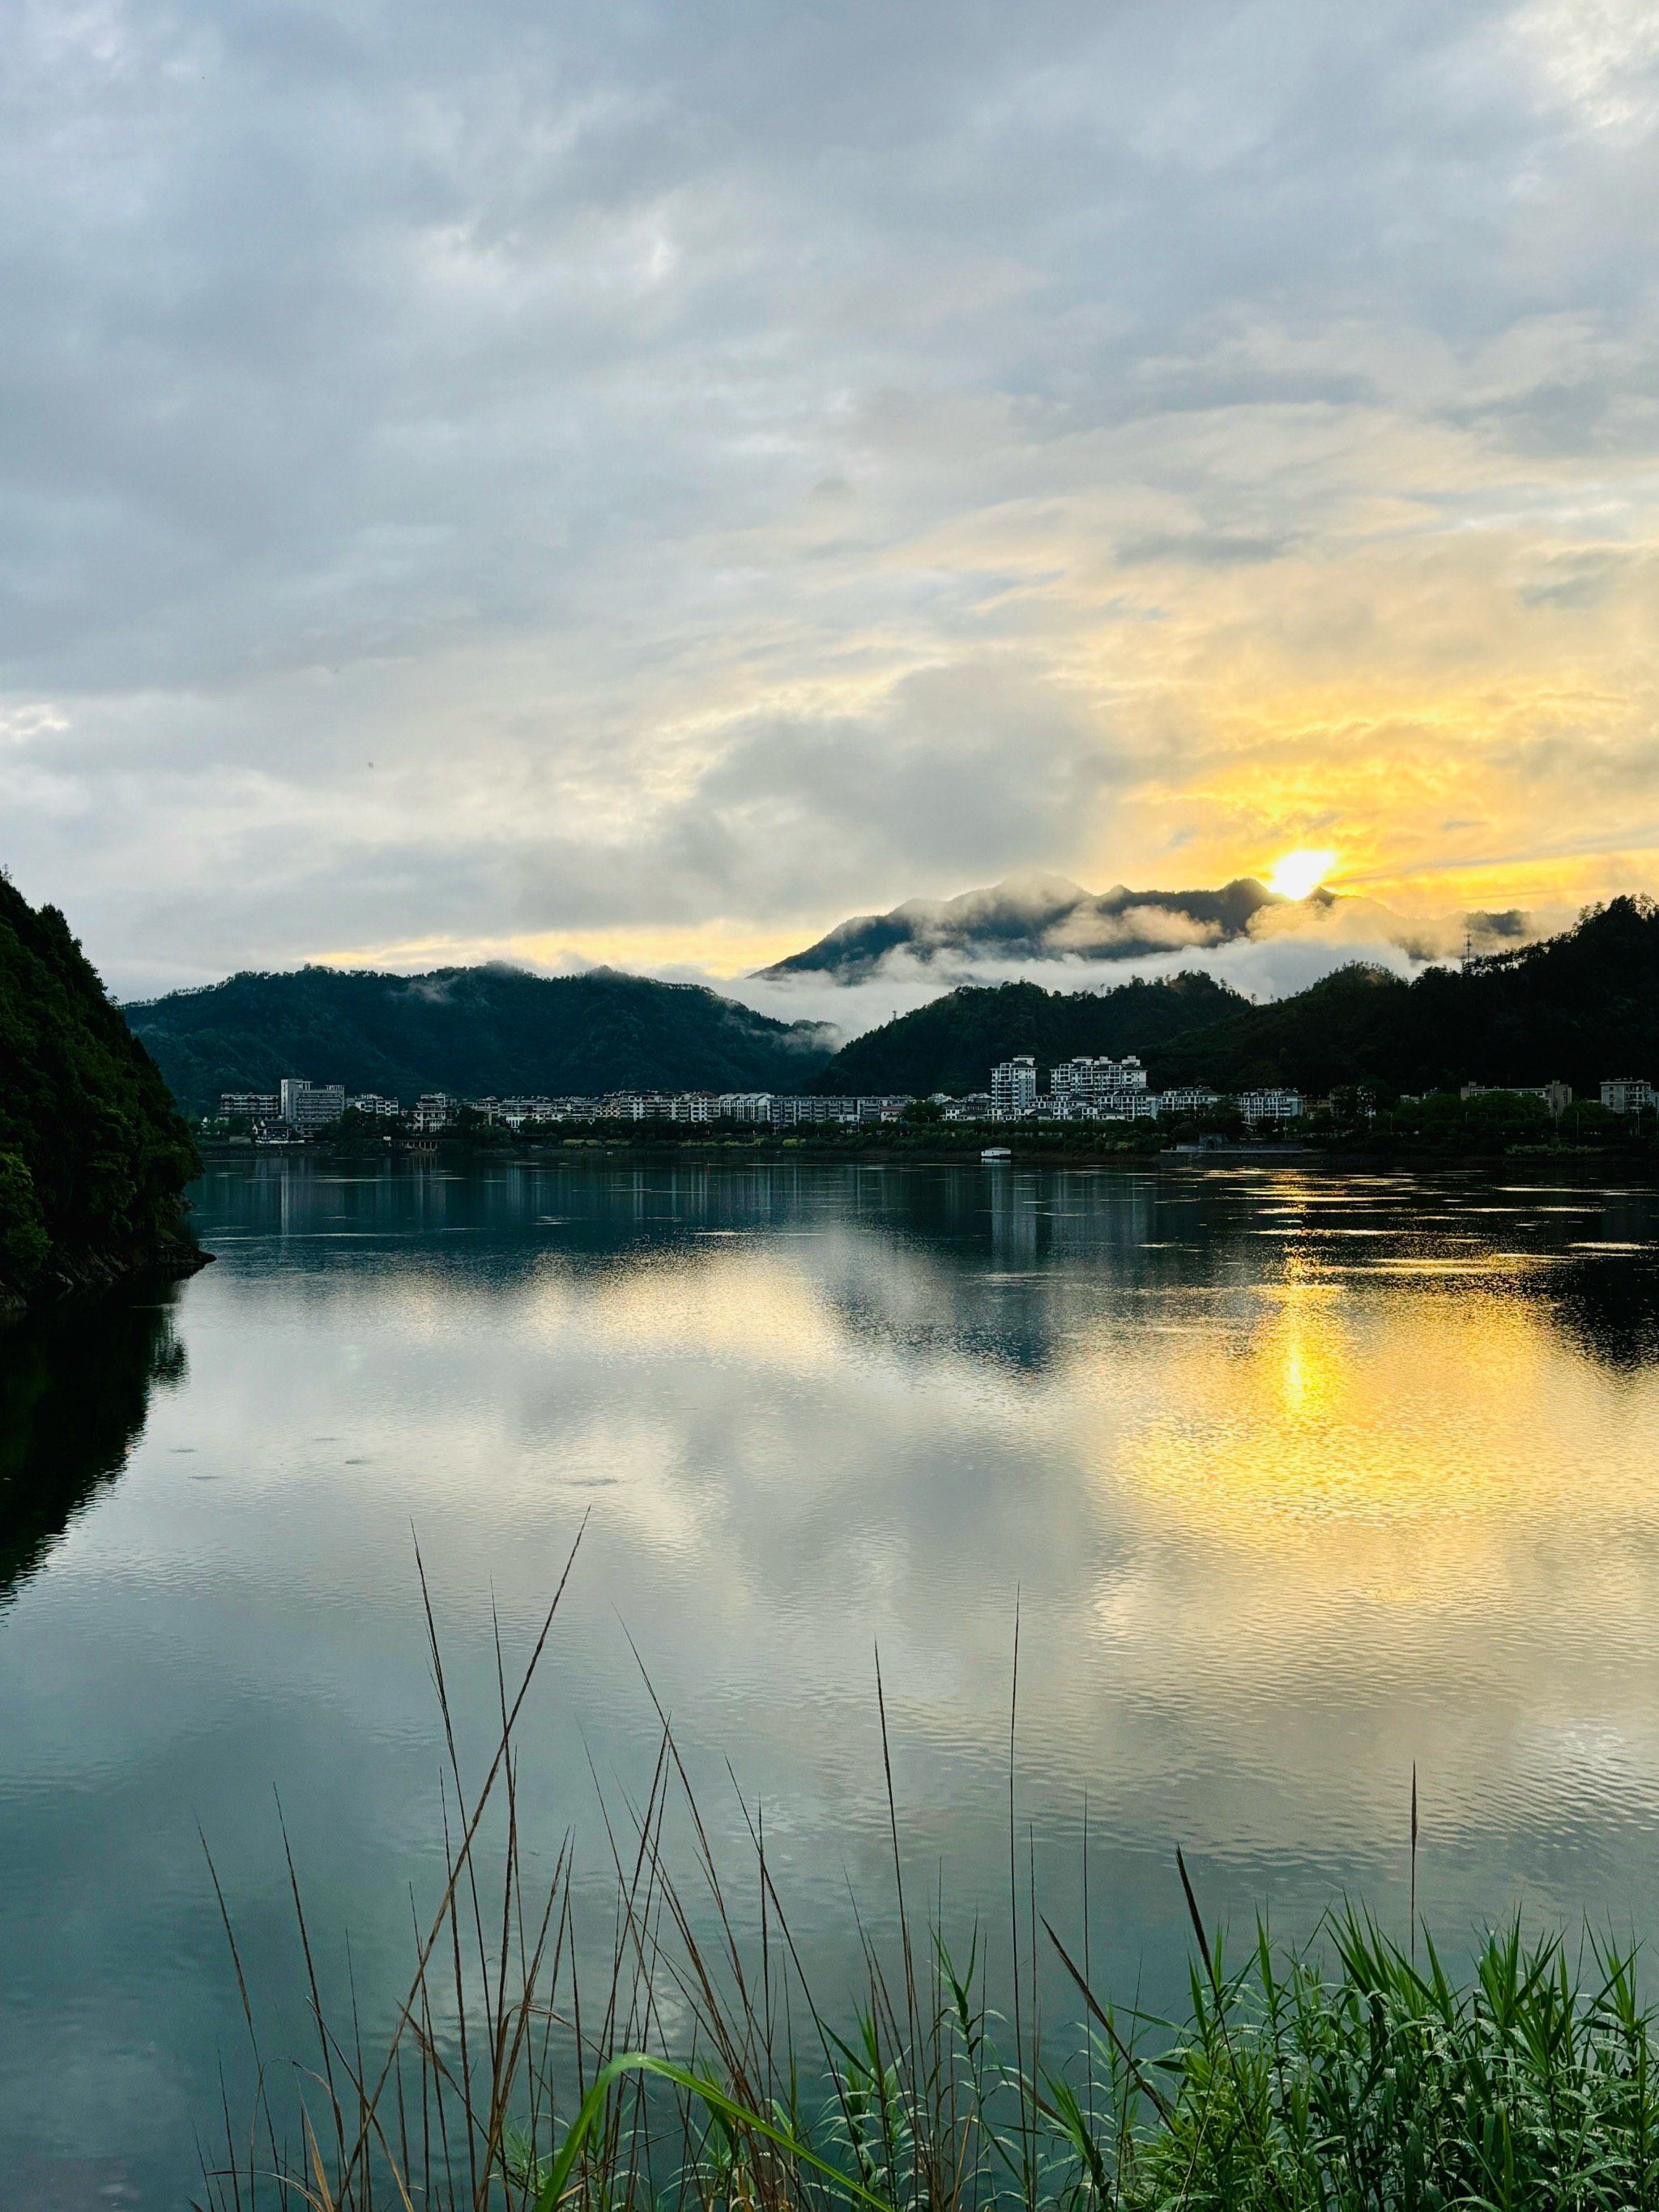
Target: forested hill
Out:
[1581,1006]
[472,1031]
[952,1043]
[93,1155]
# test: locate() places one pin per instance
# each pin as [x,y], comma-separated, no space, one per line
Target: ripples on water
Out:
[1299,1479]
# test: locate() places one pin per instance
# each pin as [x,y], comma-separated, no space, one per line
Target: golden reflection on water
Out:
[1342,1403]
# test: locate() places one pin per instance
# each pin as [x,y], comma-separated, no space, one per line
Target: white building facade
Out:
[1257,1106]
[1013,1088]
[307,1106]
[249,1105]
[1627,1094]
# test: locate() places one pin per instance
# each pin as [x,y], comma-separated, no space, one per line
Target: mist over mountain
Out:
[471,1031]
[1043,918]
[1580,1006]
[1032,917]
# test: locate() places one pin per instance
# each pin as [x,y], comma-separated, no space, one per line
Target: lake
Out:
[1296,1479]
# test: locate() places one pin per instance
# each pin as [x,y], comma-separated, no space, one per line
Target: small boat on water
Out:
[996,1152]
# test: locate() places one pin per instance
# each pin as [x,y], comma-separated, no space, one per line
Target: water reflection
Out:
[1301,1480]
[74,1388]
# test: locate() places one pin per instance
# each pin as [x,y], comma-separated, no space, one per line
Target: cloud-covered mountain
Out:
[1034,918]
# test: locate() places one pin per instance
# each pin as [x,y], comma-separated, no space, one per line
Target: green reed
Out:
[699,2074]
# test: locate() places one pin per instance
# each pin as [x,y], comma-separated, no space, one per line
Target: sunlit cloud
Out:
[1294,875]
[646,489]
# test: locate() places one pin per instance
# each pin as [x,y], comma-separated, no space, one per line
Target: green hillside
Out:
[952,1043]
[1581,1006]
[94,1157]
[474,1031]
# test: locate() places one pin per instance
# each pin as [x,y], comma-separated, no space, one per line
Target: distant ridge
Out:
[1033,917]
[951,1043]
[1581,1006]
[472,1031]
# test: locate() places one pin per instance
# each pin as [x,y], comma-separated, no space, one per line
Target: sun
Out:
[1294,875]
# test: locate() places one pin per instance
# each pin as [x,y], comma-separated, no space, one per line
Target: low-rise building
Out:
[975,1107]
[1627,1094]
[1188,1099]
[250,1105]
[635,1106]
[1270,1105]
[808,1113]
[744,1106]
[1556,1095]
[433,1111]
[375,1105]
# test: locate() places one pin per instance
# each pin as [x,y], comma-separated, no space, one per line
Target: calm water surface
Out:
[1296,1479]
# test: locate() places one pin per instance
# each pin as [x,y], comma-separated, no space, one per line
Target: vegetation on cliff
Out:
[94,1157]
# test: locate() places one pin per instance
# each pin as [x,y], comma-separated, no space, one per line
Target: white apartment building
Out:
[433,1111]
[305,1106]
[377,1107]
[1138,1104]
[744,1105]
[635,1106]
[1013,1088]
[1086,1079]
[1627,1094]
[1269,1105]
[797,1112]
[249,1105]
[1190,1098]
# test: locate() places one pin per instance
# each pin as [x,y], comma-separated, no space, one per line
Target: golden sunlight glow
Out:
[1294,875]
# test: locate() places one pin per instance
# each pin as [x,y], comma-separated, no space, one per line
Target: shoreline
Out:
[64,1275]
[927,1152]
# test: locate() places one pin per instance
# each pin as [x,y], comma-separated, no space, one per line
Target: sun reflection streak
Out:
[1333,1403]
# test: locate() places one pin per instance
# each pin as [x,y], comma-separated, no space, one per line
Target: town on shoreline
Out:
[1100,1102]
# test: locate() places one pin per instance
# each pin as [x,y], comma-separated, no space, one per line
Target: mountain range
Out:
[1037,917]
[1581,1006]
[471,1031]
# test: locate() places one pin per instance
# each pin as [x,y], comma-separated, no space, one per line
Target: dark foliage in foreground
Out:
[73,1403]
[1345,2079]
[471,1031]
[94,1156]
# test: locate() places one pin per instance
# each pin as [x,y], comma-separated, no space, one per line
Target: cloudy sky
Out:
[643,482]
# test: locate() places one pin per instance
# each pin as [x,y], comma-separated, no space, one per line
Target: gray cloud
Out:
[710,459]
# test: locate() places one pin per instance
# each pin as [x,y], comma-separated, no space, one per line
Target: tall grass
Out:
[699,2072]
